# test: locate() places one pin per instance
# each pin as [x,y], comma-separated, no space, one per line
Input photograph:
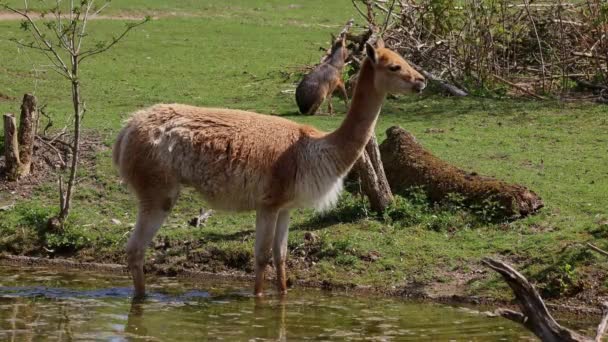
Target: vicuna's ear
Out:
[371,53]
[380,43]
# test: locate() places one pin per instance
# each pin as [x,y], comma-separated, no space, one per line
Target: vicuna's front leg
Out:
[279,250]
[265,223]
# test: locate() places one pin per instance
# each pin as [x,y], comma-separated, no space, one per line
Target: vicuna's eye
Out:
[394,67]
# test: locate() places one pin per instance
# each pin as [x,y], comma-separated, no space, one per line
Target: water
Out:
[38,304]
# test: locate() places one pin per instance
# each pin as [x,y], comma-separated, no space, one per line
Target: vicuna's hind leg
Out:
[152,212]
[279,250]
[265,223]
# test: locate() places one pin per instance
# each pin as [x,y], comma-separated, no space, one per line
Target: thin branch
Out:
[84,26]
[388,17]
[63,164]
[102,8]
[114,41]
[359,10]
[540,48]
[519,87]
[597,249]
[39,36]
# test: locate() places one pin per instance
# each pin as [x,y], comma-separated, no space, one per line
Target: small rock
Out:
[434,130]
[311,237]
[116,221]
[371,256]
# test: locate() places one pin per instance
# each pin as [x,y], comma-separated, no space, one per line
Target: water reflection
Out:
[42,305]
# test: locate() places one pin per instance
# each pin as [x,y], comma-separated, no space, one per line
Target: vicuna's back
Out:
[228,155]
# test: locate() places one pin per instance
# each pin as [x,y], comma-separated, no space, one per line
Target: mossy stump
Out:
[407,164]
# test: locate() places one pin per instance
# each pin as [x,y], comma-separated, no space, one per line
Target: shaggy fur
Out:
[242,160]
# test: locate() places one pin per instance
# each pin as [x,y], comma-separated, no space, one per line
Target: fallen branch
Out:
[588,85]
[63,164]
[450,88]
[534,316]
[203,216]
[597,249]
[519,87]
[589,55]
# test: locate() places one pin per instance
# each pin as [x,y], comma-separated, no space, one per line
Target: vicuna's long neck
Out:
[358,126]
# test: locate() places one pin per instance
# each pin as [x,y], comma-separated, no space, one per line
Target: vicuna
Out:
[320,84]
[243,161]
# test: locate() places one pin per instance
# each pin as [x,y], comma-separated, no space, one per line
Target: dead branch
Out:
[520,88]
[520,41]
[597,249]
[589,55]
[450,88]
[54,149]
[203,216]
[534,316]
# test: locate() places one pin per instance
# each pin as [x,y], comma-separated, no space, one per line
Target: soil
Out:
[50,157]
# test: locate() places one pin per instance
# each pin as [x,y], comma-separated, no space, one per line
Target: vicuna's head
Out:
[339,53]
[392,73]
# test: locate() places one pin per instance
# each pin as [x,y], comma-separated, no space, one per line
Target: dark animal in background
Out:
[320,84]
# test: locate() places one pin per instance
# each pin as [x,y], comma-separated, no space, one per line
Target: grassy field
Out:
[244,55]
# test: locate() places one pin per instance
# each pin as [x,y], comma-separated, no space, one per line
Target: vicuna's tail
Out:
[118,150]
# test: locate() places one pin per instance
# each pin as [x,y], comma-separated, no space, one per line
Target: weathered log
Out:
[450,88]
[408,164]
[373,179]
[535,316]
[27,132]
[13,165]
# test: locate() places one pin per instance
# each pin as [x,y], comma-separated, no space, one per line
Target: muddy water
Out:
[38,304]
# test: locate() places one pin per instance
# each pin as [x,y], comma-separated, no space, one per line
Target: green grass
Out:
[241,56]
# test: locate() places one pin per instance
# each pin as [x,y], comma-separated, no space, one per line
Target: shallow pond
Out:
[40,304]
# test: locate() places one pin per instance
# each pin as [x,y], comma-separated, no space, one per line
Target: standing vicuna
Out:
[320,84]
[244,161]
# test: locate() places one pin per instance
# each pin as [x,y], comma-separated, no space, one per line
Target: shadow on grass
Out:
[346,212]
[431,107]
[242,235]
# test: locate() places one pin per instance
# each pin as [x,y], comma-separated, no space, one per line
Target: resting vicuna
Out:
[243,161]
[320,84]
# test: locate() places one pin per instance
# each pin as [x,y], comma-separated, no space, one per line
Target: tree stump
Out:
[19,146]
[28,123]
[408,164]
[14,167]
